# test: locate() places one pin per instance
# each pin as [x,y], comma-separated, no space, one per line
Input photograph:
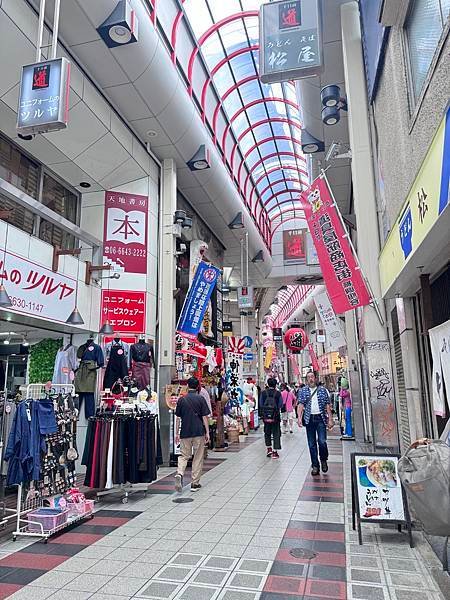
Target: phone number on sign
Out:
[136,252]
[20,303]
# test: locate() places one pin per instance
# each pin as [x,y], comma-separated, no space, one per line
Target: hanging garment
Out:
[142,356]
[142,374]
[91,357]
[65,365]
[109,461]
[117,367]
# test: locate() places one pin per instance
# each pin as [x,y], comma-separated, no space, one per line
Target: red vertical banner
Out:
[313,357]
[342,275]
[125,231]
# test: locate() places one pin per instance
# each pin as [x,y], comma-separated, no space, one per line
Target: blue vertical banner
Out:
[196,302]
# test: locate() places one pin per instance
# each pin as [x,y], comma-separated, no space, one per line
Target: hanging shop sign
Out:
[295,339]
[227,328]
[294,247]
[44,97]
[234,378]
[330,321]
[290,40]
[342,275]
[36,291]
[428,198]
[331,363]
[245,297]
[125,310]
[277,334]
[313,358]
[125,232]
[440,351]
[378,495]
[197,299]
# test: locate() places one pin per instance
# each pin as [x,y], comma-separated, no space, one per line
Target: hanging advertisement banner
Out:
[294,247]
[341,272]
[196,303]
[313,358]
[44,97]
[332,324]
[125,232]
[125,310]
[294,365]
[36,291]
[234,380]
[290,40]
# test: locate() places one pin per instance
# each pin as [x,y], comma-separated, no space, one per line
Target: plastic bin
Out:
[75,509]
[88,506]
[49,518]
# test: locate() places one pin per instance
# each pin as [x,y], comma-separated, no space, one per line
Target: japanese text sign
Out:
[245,297]
[125,310]
[196,302]
[379,491]
[294,250]
[290,40]
[234,380]
[125,231]
[342,275]
[44,97]
[35,290]
[330,321]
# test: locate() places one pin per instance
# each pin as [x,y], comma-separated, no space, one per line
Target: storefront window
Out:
[18,216]
[63,202]
[17,169]
[424,27]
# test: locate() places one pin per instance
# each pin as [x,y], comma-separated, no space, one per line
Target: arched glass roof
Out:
[260,141]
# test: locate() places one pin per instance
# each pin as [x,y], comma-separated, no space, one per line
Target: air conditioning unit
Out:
[393,12]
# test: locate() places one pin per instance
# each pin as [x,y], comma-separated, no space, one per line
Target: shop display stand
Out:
[24,505]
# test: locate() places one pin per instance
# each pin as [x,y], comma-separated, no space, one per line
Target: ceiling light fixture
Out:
[201,160]
[237,222]
[85,184]
[75,317]
[310,144]
[333,103]
[121,27]
[259,257]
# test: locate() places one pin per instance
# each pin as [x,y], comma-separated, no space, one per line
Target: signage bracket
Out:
[40,36]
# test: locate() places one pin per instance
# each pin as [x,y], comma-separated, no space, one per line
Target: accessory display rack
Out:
[27,502]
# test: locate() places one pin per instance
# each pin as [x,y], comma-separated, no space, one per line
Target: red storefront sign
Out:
[125,310]
[342,275]
[294,246]
[125,231]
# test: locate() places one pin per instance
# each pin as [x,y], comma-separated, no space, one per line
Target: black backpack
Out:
[270,411]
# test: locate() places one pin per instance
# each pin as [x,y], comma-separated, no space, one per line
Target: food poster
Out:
[379,489]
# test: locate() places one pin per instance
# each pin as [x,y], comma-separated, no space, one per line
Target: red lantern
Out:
[295,339]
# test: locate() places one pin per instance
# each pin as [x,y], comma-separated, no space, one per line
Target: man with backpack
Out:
[314,411]
[270,405]
[192,411]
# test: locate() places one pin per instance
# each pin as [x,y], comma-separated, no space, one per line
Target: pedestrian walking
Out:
[314,411]
[289,402]
[192,432]
[270,407]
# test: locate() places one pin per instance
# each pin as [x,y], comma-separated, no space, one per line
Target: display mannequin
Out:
[118,356]
[91,358]
[65,365]
[143,359]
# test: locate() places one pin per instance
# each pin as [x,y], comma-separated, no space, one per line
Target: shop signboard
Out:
[125,231]
[294,247]
[35,290]
[245,297]
[290,40]
[125,310]
[277,334]
[341,272]
[227,328]
[330,321]
[428,198]
[44,97]
[197,299]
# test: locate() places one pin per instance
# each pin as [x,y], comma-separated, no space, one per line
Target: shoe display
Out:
[315,471]
[275,454]
[324,466]
[195,487]
[178,483]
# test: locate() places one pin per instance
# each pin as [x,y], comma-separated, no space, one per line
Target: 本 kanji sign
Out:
[290,40]
[35,290]
[196,302]
[125,231]
[125,310]
[44,97]
[342,275]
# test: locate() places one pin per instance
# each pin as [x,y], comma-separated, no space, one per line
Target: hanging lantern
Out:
[295,339]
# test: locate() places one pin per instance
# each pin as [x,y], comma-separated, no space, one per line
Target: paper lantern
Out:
[295,339]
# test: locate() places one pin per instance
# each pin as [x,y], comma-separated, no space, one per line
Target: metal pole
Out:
[247,259]
[55,28]
[40,34]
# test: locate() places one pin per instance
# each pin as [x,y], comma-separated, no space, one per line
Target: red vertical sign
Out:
[125,310]
[125,231]
[342,275]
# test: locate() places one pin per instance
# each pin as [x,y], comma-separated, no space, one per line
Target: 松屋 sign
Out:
[290,40]
[36,291]
[44,97]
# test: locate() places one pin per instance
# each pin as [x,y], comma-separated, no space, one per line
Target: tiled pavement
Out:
[233,542]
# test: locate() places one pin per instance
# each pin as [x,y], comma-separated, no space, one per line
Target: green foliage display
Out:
[42,360]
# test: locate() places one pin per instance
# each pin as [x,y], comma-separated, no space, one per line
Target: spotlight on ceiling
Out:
[331,115]
[237,222]
[330,95]
[121,27]
[201,160]
[106,329]
[187,223]
[310,144]
[333,103]
[258,258]
[179,216]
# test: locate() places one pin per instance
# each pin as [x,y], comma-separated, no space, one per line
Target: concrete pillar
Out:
[167,315]
[373,335]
